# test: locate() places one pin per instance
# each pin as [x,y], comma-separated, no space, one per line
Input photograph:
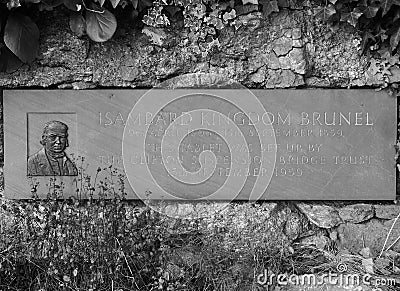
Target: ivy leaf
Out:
[101,2]
[74,5]
[324,13]
[143,4]
[135,3]
[395,39]
[269,6]
[100,26]
[367,38]
[3,60]
[386,5]
[351,17]
[114,3]
[174,14]
[77,24]
[171,10]
[134,15]
[49,4]
[3,19]
[8,61]
[21,36]
[368,11]
[397,15]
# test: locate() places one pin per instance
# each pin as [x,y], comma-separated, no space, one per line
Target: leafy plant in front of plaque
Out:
[69,241]
[92,239]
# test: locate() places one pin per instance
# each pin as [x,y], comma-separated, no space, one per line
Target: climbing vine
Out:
[377,20]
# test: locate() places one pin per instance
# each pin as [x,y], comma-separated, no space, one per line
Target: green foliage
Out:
[77,24]
[21,36]
[8,61]
[79,243]
[100,27]
[199,22]
[97,19]
[111,244]
[377,20]
[21,39]
[325,12]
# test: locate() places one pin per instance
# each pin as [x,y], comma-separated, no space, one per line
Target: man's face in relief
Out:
[56,139]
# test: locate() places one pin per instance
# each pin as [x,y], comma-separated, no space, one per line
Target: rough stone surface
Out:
[273,227]
[243,226]
[387,211]
[323,216]
[295,225]
[283,46]
[395,75]
[372,234]
[319,240]
[289,49]
[334,57]
[356,213]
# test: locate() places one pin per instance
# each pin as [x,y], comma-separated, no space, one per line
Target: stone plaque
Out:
[200,144]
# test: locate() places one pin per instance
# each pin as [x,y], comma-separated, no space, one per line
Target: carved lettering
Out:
[330,118]
[110,118]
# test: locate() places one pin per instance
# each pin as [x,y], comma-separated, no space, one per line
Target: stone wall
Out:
[290,50]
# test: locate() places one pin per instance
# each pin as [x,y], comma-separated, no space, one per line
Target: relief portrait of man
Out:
[52,160]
